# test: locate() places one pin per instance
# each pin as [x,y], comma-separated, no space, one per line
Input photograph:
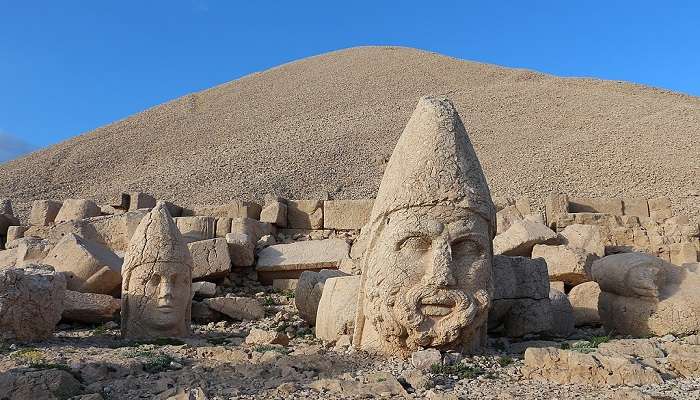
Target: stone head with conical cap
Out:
[156,279]
[427,268]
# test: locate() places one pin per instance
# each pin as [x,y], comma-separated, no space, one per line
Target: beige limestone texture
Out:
[337,308]
[89,308]
[44,212]
[76,209]
[584,300]
[521,237]
[210,258]
[346,214]
[290,260]
[571,266]
[305,214]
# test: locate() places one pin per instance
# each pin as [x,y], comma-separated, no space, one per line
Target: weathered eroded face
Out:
[159,298]
[429,276]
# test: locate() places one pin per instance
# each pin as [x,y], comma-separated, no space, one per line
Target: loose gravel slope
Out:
[327,124]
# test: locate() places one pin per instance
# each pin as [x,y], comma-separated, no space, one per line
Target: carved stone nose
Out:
[439,272]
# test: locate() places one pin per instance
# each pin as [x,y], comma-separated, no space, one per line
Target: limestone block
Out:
[140,200]
[660,208]
[241,249]
[523,205]
[630,274]
[15,232]
[305,214]
[290,260]
[425,359]
[584,300]
[44,212]
[637,207]
[556,205]
[520,317]
[44,384]
[642,348]
[571,266]
[584,237]
[8,258]
[263,337]
[536,218]
[234,209]
[251,227]
[520,277]
[238,308]
[88,266]
[31,302]
[346,214]
[680,253]
[203,289]
[210,258]
[567,367]
[194,229]
[201,313]
[89,308]
[595,205]
[285,284]
[502,202]
[309,291]
[32,250]
[562,314]
[337,308]
[685,360]
[506,217]
[223,226]
[558,285]
[599,219]
[76,209]
[520,238]
[275,213]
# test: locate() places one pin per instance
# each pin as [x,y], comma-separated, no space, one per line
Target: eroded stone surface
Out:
[290,260]
[427,270]
[31,302]
[520,238]
[210,258]
[89,308]
[75,209]
[336,310]
[157,280]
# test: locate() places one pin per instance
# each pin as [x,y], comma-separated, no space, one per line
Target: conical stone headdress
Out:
[433,163]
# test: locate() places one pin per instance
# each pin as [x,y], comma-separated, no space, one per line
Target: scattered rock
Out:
[262,337]
[239,308]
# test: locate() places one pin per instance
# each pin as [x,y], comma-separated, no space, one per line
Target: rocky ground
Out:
[217,363]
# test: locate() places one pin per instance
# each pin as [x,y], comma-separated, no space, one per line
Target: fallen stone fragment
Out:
[89,308]
[309,291]
[584,237]
[305,214]
[89,267]
[660,209]
[562,314]
[346,214]
[15,232]
[262,337]
[566,367]
[424,359]
[506,217]
[140,200]
[637,207]
[31,302]
[234,209]
[202,314]
[335,316]
[290,260]
[584,300]
[641,348]
[32,250]
[203,289]
[285,284]
[520,238]
[556,205]
[241,249]
[685,360]
[75,209]
[602,205]
[194,229]
[382,383]
[239,308]
[210,258]
[275,213]
[571,266]
[44,384]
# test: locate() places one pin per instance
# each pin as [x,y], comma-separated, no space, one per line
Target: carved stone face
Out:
[159,299]
[428,276]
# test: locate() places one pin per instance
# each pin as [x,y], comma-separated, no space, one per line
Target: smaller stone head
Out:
[157,280]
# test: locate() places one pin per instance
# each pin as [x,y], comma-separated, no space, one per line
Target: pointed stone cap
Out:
[156,239]
[434,163]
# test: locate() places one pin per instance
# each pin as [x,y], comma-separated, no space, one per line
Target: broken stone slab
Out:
[31,302]
[305,214]
[8,258]
[309,291]
[556,205]
[562,314]
[660,209]
[44,212]
[506,217]
[366,386]
[685,360]
[595,205]
[241,249]
[290,260]
[565,264]
[140,200]
[223,226]
[584,237]
[519,317]
[202,314]
[251,227]
[275,212]
[336,311]
[42,384]
[425,359]
[584,300]
[89,308]
[76,209]
[346,214]
[567,367]
[637,207]
[210,258]
[520,277]
[238,308]
[521,237]
[203,289]
[15,232]
[264,337]
[31,249]
[285,284]
[88,266]
[679,253]
[558,285]
[234,209]
[641,348]
[194,229]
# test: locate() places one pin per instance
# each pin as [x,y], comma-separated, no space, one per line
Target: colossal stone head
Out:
[156,280]
[427,268]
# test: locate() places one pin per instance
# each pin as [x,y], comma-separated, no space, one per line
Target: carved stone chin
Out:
[157,280]
[427,267]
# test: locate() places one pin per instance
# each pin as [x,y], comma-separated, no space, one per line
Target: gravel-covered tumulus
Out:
[326,125]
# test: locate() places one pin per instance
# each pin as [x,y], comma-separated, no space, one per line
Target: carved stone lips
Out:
[437,305]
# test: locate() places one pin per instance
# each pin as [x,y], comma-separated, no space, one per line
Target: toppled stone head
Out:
[427,267]
[156,280]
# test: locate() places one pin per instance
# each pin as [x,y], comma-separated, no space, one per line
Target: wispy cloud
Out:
[12,146]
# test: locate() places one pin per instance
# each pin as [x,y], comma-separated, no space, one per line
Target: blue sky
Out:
[67,67]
